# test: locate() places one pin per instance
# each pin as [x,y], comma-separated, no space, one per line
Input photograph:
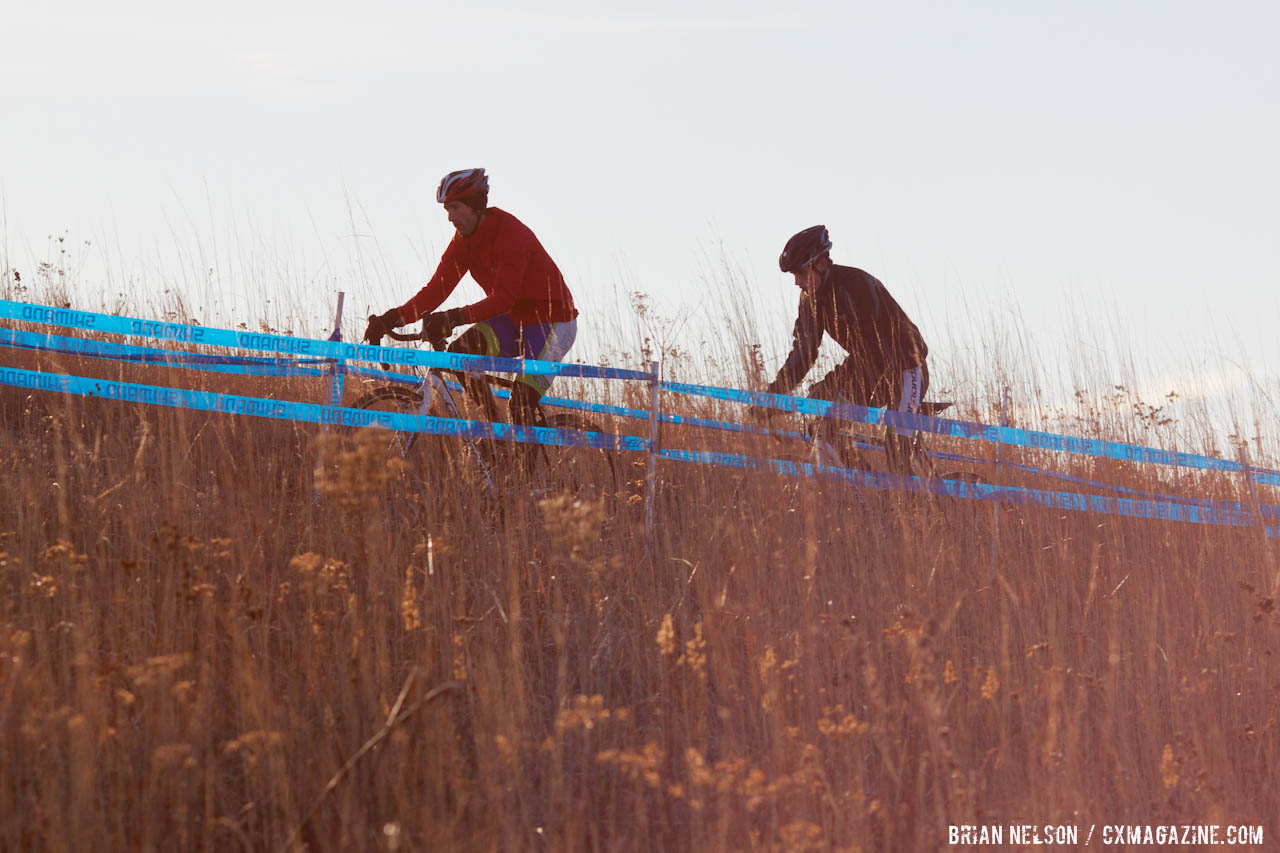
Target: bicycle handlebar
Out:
[400,336]
[403,336]
[439,345]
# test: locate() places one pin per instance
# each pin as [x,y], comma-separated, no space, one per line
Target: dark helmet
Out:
[463,184]
[805,248]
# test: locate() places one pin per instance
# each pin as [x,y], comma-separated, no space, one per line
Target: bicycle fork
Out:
[434,385]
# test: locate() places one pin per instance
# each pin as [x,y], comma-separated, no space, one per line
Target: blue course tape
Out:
[1079,481]
[261,407]
[209,336]
[643,414]
[1232,516]
[84,347]
[579,405]
[1056,475]
[330,350]
[821,407]
[1012,436]
[1220,514]
[729,426]
[265,366]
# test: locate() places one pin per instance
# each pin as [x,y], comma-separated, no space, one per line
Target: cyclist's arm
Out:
[453,265]
[806,340]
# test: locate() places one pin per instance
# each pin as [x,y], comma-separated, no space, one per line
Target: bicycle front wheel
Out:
[397,399]
[436,458]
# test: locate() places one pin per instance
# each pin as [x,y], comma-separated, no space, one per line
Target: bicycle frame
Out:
[824,441]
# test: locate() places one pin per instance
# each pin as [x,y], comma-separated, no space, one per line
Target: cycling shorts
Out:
[541,341]
[914,382]
[901,391]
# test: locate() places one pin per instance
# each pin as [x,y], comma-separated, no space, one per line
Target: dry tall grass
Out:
[206,645]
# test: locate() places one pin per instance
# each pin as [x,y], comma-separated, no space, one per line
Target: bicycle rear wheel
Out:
[581,472]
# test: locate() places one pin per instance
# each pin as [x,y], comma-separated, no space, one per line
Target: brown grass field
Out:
[226,633]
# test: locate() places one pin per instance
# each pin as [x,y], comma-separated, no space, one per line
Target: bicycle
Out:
[580,472]
[835,444]
[840,444]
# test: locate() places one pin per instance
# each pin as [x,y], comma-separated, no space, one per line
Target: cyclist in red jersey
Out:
[527,311]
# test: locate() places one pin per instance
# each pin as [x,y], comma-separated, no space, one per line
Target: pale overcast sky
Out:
[1116,159]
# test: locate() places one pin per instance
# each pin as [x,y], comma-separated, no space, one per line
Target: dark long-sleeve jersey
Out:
[507,261]
[857,311]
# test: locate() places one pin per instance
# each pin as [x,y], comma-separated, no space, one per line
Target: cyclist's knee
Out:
[825,390]
[470,342]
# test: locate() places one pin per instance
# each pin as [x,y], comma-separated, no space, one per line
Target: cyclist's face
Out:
[463,216]
[808,278]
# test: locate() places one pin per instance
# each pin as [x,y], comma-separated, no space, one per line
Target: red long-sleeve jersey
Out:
[507,261]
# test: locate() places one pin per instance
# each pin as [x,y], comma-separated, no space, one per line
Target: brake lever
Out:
[438,344]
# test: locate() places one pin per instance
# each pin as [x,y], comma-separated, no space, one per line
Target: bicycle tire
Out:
[412,447]
[581,472]
[393,398]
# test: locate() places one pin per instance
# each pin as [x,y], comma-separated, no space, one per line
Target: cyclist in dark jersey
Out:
[527,311]
[886,363]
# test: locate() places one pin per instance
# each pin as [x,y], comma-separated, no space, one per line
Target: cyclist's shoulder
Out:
[844,276]
[501,221]
[849,289]
[503,229]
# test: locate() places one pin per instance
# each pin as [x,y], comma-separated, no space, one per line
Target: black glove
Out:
[380,324]
[437,327]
